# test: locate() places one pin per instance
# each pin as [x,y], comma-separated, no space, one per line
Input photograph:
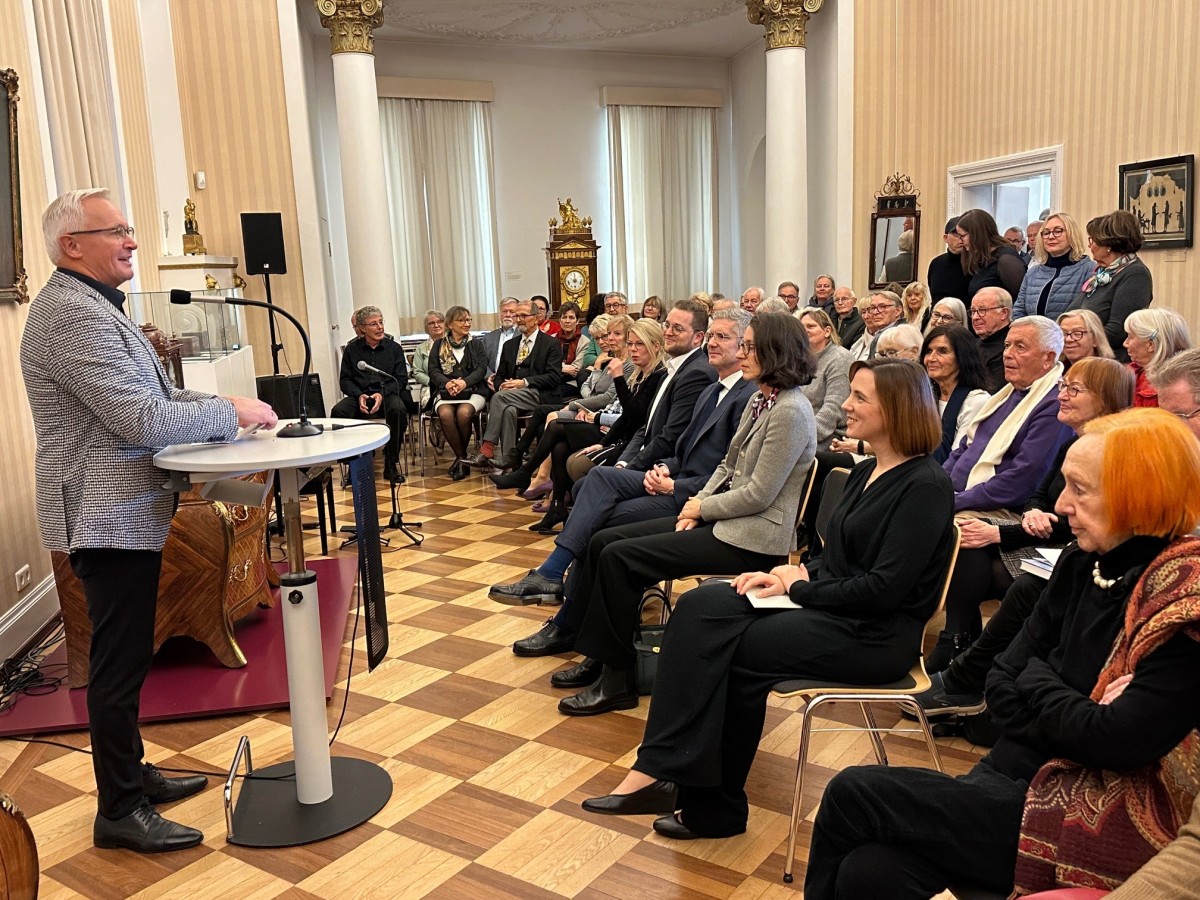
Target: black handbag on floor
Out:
[648,642]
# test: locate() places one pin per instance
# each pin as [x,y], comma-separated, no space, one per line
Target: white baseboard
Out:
[23,621]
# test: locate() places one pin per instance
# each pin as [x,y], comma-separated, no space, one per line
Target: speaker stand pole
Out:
[276,344]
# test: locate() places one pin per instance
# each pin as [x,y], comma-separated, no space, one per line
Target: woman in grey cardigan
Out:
[1121,283]
[831,384]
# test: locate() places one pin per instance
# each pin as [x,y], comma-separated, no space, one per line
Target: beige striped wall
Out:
[939,84]
[236,131]
[135,122]
[19,541]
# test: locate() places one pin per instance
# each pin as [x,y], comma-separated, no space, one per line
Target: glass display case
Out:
[206,328]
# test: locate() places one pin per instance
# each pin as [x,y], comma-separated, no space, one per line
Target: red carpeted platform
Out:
[186,680]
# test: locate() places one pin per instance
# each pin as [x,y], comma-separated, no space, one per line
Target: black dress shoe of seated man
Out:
[579,675]
[143,831]
[548,640]
[158,788]
[656,798]
[614,689]
[531,589]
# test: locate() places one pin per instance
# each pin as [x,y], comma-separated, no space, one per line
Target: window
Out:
[1015,189]
[438,171]
[663,186]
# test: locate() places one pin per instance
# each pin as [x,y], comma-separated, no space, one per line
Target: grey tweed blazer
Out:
[102,406]
[768,460]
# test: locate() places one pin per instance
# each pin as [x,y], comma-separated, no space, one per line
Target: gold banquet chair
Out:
[901,693]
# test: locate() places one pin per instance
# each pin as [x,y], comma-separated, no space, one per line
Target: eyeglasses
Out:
[719,336]
[747,347]
[634,344]
[1074,336]
[890,353]
[615,305]
[1073,390]
[677,329]
[789,296]
[1052,232]
[958,234]
[877,308]
[120,232]
[977,311]
[941,317]
[528,315]
[1186,416]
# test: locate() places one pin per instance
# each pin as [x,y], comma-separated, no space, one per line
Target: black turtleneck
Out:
[111,294]
[1038,690]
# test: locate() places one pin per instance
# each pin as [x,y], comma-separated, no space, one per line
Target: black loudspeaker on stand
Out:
[262,241]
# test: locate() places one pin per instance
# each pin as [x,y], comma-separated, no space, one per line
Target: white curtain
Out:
[79,102]
[438,167]
[663,188]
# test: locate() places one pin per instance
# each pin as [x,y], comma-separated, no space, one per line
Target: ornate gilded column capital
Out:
[786,21]
[351,23]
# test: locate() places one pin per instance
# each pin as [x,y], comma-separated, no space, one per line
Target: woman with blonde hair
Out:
[1059,267]
[457,381]
[622,419]
[917,305]
[830,386]
[1083,336]
[1153,336]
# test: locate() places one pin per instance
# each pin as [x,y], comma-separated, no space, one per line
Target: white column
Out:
[786,179]
[786,168]
[364,196]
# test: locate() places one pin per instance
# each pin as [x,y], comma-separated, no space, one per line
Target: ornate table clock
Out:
[570,258]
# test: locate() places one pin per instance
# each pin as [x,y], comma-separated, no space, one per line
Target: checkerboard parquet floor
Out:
[487,775]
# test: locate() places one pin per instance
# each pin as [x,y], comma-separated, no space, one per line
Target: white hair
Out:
[1166,328]
[757,290]
[773,305]
[64,215]
[898,337]
[1049,335]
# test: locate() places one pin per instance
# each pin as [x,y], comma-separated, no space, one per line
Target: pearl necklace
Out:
[1100,581]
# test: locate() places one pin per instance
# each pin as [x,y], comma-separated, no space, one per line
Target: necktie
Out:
[523,351]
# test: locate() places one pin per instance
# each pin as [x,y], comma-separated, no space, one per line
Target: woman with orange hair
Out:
[1094,702]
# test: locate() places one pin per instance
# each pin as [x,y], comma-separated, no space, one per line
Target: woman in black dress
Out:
[862,607]
[987,258]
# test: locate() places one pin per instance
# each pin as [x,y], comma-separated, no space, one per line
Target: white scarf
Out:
[985,468]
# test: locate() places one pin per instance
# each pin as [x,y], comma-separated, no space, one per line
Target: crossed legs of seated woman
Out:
[560,439]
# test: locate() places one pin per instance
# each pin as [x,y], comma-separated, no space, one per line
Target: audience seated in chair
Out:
[831,383]
[457,379]
[609,496]
[992,550]
[494,340]
[1092,700]
[601,434]
[528,375]
[863,606]
[435,327]
[370,395]
[991,317]
[743,519]
[1153,336]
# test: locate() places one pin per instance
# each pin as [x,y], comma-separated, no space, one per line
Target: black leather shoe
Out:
[656,799]
[669,826]
[613,690]
[143,831]
[549,640]
[158,788]
[459,470]
[577,676]
[531,589]
[517,478]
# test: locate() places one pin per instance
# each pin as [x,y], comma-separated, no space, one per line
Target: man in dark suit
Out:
[494,340]
[529,374]
[611,496]
[102,406]
[688,374]
[369,395]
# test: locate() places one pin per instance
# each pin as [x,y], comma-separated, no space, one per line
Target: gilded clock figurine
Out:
[574,281]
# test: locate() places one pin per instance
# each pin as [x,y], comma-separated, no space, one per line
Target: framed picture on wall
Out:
[1161,193]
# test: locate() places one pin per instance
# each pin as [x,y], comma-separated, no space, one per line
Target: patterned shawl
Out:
[446,353]
[1094,828]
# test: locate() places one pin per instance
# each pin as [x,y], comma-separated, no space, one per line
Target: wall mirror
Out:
[895,233]
[12,269]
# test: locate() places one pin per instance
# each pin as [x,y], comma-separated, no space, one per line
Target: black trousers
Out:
[968,672]
[623,561]
[720,658]
[395,414]
[895,833]
[979,575]
[121,587]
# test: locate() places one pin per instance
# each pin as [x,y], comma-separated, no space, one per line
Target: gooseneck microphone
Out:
[303,428]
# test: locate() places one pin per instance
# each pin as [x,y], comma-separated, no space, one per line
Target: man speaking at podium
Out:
[102,406]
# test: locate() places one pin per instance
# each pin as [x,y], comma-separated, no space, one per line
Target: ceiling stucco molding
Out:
[552,21]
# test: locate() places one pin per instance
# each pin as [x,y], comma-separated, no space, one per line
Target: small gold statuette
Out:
[569,216]
[238,281]
[193,240]
[210,283]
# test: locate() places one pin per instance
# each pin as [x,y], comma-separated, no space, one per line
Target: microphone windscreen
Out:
[362,366]
[180,296]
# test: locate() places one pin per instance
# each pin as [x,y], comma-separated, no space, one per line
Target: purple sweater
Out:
[1024,464]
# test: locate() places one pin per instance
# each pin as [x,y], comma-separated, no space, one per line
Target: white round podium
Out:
[330,794]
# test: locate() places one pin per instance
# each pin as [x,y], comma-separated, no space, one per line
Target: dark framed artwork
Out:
[1161,193]
[12,268]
